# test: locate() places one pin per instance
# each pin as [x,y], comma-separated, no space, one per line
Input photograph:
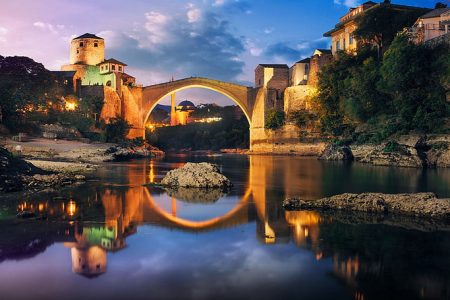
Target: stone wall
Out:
[283,141]
[298,97]
[316,64]
[112,107]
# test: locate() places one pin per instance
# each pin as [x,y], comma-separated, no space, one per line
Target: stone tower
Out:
[87,49]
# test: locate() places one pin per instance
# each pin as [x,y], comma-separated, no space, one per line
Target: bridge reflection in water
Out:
[124,208]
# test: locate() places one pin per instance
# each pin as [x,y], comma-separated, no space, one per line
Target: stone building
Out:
[87,60]
[342,35]
[183,112]
[274,78]
[298,73]
[431,25]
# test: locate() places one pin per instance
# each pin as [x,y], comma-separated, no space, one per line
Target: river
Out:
[115,238]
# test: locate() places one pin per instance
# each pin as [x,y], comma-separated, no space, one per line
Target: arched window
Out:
[108,83]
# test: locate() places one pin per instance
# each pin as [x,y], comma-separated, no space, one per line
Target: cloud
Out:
[162,47]
[268,30]
[55,29]
[3,33]
[348,3]
[194,15]
[290,53]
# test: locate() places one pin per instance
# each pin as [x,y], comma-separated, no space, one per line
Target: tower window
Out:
[95,44]
[81,44]
[78,51]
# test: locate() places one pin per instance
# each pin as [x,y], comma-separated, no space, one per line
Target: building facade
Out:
[87,60]
[342,35]
[431,25]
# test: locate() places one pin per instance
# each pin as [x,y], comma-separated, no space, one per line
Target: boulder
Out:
[418,205]
[196,195]
[390,154]
[196,175]
[335,152]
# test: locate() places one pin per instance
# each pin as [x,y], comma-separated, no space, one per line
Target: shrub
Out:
[116,130]
[391,146]
[275,119]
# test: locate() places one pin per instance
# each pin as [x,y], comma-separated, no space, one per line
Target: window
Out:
[338,45]
[120,68]
[113,67]
[101,68]
[81,44]
[95,44]
[344,43]
[351,39]
[78,51]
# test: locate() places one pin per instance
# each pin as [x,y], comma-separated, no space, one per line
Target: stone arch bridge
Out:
[138,102]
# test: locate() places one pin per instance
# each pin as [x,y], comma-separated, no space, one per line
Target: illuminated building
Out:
[87,60]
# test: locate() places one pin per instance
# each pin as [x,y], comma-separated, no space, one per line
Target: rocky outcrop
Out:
[438,154]
[196,175]
[196,195]
[389,154]
[336,152]
[418,205]
[57,131]
[11,170]
[118,153]
[17,174]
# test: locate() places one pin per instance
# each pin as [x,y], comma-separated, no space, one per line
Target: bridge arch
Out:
[199,225]
[239,94]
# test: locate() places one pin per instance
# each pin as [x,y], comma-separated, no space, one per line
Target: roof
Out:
[186,103]
[112,61]
[435,13]
[88,36]
[275,66]
[64,73]
[339,26]
[304,61]
[127,76]
[324,51]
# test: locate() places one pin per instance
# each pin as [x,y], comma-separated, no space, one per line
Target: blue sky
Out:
[221,39]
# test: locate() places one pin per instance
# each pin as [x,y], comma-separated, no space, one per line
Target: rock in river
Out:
[419,205]
[197,175]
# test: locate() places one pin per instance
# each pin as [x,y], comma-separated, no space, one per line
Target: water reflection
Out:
[372,261]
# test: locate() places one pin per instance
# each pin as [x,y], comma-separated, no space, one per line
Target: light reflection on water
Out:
[130,239]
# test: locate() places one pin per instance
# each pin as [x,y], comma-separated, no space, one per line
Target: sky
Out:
[158,39]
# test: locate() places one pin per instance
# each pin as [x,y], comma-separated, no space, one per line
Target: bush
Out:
[275,119]
[391,146]
[116,130]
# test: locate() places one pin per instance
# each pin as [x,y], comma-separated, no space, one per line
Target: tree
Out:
[412,75]
[24,84]
[380,25]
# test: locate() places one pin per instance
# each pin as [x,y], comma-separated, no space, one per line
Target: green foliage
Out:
[91,104]
[24,84]
[275,119]
[116,130]
[391,147]
[228,133]
[440,146]
[405,91]
[302,118]
[411,75]
[380,25]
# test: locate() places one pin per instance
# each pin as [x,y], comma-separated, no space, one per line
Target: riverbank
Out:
[78,151]
[17,174]
[417,205]
[413,151]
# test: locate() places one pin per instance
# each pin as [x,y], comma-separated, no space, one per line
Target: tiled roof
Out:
[275,66]
[435,13]
[112,61]
[88,36]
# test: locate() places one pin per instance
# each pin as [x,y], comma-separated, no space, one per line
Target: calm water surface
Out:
[116,238]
